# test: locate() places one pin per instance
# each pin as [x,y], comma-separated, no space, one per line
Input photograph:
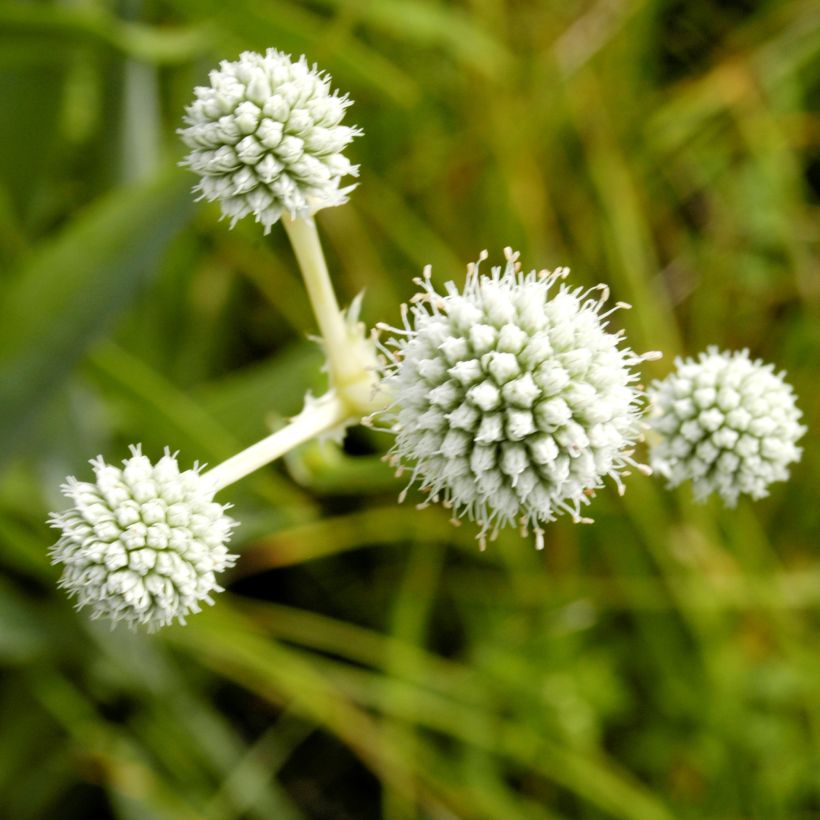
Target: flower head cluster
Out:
[265,136]
[512,399]
[726,422]
[142,544]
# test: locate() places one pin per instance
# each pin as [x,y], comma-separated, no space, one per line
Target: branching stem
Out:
[351,359]
[319,416]
[308,249]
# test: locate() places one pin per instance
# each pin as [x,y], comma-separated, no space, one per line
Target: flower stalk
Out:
[319,416]
[351,359]
[307,247]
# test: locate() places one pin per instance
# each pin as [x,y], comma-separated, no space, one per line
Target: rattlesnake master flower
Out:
[512,400]
[266,138]
[142,544]
[726,422]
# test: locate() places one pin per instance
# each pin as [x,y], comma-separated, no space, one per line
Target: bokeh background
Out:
[368,661]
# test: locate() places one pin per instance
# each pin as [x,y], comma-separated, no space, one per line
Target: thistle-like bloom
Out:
[142,544]
[512,400]
[265,136]
[726,422]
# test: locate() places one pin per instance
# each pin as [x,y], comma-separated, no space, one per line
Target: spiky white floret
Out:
[728,423]
[266,138]
[142,544]
[512,400]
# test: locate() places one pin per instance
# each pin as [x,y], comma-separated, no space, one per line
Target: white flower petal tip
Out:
[143,543]
[727,423]
[266,138]
[512,400]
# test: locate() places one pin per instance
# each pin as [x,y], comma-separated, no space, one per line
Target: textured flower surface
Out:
[726,422]
[266,138]
[142,544]
[512,400]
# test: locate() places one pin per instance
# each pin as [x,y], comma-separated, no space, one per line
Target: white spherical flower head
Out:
[142,544]
[726,422]
[512,399]
[266,138]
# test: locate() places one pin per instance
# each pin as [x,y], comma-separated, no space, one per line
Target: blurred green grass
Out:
[367,660]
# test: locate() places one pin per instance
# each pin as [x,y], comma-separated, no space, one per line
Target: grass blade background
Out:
[66,294]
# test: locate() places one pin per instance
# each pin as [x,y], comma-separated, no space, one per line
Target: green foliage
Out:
[368,660]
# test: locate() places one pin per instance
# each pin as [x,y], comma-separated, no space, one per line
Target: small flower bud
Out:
[725,422]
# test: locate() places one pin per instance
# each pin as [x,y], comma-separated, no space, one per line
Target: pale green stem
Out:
[318,417]
[308,249]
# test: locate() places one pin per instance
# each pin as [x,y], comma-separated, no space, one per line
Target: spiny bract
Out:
[266,138]
[142,544]
[726,422]
[512,402]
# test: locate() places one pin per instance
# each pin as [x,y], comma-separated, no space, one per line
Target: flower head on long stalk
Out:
[266,138]
[143,543]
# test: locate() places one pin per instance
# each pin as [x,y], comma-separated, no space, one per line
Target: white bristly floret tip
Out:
[512,400]
[266,138]
[727,423]
[142,544]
